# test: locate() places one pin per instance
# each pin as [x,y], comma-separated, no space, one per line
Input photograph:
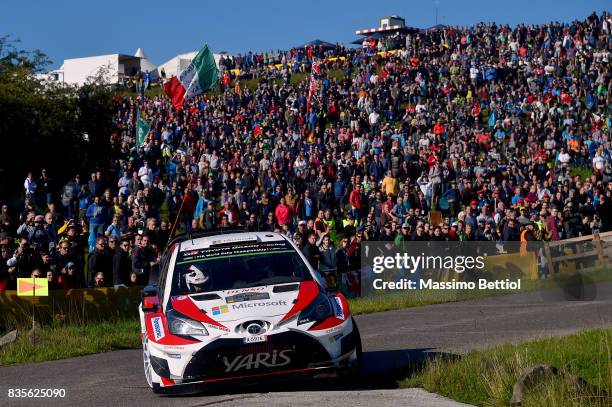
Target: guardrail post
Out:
[549,260]
[599,248]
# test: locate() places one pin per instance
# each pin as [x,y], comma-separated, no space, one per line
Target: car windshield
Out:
[237,266]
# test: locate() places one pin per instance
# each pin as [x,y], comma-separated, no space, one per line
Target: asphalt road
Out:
[394,342]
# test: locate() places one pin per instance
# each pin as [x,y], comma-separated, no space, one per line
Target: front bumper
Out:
[290,354]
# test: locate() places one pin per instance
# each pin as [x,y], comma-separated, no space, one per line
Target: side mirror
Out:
[331,280]
[150,301]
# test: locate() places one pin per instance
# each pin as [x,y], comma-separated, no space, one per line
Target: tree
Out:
[42,125]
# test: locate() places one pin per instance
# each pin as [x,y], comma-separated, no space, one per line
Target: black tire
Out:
[352,376]
[157,389]
[359,364]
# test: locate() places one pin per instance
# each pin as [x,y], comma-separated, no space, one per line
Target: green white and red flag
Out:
[201,75]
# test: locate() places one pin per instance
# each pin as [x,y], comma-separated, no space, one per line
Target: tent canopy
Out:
[318,43]
[438,27]
[145,63]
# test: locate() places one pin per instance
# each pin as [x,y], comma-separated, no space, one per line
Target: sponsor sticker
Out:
[222,309]
[245,290]
[338,311]
[334,329]
[255,339]
[217,327]
[302,321]
[259,360]
[248,296]
[158,328]
[244,305]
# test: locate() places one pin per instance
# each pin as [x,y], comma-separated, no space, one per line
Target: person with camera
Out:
[68,277]
[27,228]
[99,280]
[22,261]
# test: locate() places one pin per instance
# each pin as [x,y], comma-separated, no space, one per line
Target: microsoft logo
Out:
[220,310]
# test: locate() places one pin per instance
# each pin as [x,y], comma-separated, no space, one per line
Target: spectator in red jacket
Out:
[283,213]
[232,215]
[355,202]
[189,205]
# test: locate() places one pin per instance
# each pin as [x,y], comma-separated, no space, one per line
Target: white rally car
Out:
[241,307]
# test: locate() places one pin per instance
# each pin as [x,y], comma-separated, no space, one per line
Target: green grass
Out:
[486,377]
[399,300]
[151,92]
[66,341]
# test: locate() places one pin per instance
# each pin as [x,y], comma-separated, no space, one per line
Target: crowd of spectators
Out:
[464,133]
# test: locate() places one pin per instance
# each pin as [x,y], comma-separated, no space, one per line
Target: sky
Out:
[77,28]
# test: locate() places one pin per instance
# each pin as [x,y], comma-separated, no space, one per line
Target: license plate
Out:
[254,339]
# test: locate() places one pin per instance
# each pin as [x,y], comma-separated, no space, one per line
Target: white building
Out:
[175,65]
[112,67]
[388,25]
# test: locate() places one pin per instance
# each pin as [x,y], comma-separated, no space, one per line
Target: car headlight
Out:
[179,324]
[318,310]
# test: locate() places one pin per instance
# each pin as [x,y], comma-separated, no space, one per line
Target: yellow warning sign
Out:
[33,287]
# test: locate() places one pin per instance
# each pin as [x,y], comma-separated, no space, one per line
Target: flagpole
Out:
[178,214]
[33,339]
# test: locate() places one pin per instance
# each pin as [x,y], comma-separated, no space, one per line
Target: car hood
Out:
[278,300]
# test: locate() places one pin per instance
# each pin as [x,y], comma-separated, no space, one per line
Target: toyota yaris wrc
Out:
[242,307]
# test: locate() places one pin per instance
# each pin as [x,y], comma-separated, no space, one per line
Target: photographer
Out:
[39,238]
[69,277]
[26,229]
[22,262]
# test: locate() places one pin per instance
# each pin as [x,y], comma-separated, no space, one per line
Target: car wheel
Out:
[146,359]
[352,376]
[358,350]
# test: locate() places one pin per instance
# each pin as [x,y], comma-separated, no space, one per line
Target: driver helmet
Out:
[195,279]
